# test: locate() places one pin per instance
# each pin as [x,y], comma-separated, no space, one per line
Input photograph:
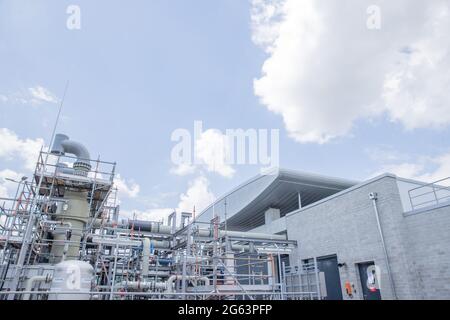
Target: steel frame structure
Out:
[196,261]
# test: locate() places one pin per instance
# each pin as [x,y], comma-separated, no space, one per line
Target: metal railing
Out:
[430,194]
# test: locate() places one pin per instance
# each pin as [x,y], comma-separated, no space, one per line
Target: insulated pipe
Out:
[150,226]
[77,149]
[30,283]
[145,257]
[141,225]
[173,278]
[133,243]
[236,247]
[254,235]
[62,145]
[57,147]
[144,285]
[241,234]
[63,168]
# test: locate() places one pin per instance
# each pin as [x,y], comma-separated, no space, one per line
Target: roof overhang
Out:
[244,206]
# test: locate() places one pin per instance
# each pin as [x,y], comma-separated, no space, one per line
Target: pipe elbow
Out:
[62,144]
[77,149]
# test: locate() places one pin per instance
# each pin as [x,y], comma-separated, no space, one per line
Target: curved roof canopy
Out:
[244,206]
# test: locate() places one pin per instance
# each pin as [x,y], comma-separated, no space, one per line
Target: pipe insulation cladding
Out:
[241,234]
[149,226]
[137,225]
[62,145]
[145,256]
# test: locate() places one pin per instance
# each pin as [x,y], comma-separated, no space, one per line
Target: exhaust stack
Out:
[62,145]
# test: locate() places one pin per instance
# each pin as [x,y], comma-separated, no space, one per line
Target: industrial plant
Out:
[283,235]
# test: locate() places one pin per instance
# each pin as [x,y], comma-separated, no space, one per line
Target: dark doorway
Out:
[369,281]
[329,265]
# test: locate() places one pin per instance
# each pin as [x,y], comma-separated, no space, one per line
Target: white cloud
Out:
[126,188]
[212,150]
[198,194]
[183,169]
[404,170]
[416,90]
[440,171]
[326,70]
[428,169]
[12,147]
[385,154]
[8,188]
[41,94]
[148,215]
[33,96]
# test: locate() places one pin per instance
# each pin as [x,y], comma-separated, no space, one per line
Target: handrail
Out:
[432,196]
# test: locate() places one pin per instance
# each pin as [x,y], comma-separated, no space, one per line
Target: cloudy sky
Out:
[356,88]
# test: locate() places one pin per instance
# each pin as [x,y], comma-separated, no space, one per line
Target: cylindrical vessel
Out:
[73,277]
[74,213]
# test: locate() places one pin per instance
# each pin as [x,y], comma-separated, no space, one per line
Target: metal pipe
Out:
[145,257]
[57,147]
[145,285]
[30,283]
[77,149]
[241,234]
[150,226]
[62,145]
[132,243]
[141,225]
[173,278]
[373,196]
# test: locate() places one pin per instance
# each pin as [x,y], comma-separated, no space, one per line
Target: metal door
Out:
[329,265]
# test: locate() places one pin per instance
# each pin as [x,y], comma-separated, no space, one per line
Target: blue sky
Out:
[349,101]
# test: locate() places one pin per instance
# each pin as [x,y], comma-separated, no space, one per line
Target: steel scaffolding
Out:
[132,259]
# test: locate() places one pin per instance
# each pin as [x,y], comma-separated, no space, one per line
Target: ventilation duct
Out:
[62,145]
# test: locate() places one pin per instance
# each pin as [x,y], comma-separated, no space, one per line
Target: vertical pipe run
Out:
[316,271]
[373,197]
[188,254]
[113,276]
[145,257]
[280,275]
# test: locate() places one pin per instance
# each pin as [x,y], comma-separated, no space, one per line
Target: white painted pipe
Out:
[254,235]
[144,285]
[141,225]
[173,278]
[30,283]
[127,242]
[241,234]
[116,241]
[145,257]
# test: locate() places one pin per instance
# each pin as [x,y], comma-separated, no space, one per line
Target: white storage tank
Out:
[72,276]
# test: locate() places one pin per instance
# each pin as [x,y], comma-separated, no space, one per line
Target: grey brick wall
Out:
[345,225]
[428,236]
